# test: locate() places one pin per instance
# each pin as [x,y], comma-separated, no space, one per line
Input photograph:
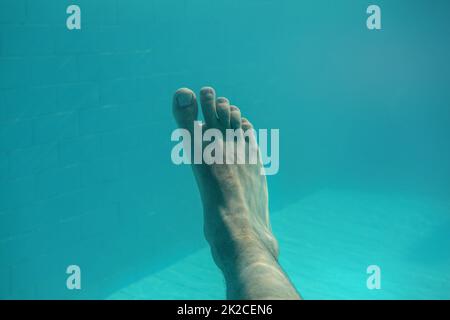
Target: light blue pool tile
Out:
[5,280]
[127,12]
[16,135]
[54,128]
[79,149]
[101,221]
[26,40]
[57,182]
[127,139]
[59,208]
[4,166]
[53,70]
[117,65]
[12,11]
[29,161]
[98,12]
[102,119]
[41,100]
[72,97]
[118,91]
[76,41]
[47,12]
[14,72]
[100,171]
[17,192]
[89,67]
[14,104]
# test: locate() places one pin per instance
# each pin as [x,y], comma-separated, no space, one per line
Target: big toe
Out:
[185,109]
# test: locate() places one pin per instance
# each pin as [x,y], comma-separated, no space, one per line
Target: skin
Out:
[235,205]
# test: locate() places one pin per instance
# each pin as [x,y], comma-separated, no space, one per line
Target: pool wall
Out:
[85,120]
[86,176]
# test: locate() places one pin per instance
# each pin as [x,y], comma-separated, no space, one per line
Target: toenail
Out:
[222,100]
[207,97]
[184,99]
[207,92]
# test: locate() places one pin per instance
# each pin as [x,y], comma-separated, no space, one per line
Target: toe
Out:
[235,117]
[185,108]
[208,102]
[223,112]
[246,125]
[247,128]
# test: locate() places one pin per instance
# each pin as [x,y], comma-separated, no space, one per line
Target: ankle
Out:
[236,254]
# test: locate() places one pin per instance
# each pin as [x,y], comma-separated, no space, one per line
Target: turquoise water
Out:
[333,266]
[86,177]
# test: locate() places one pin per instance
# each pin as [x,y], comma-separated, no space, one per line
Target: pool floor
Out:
[327,241]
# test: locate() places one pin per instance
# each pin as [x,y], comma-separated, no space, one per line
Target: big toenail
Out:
[184,99]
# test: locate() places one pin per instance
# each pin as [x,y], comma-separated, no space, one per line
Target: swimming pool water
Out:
[361,229]
[86,177]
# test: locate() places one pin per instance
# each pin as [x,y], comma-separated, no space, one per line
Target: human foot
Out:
[234,196]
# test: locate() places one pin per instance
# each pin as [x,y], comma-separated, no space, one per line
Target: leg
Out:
[235,205]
